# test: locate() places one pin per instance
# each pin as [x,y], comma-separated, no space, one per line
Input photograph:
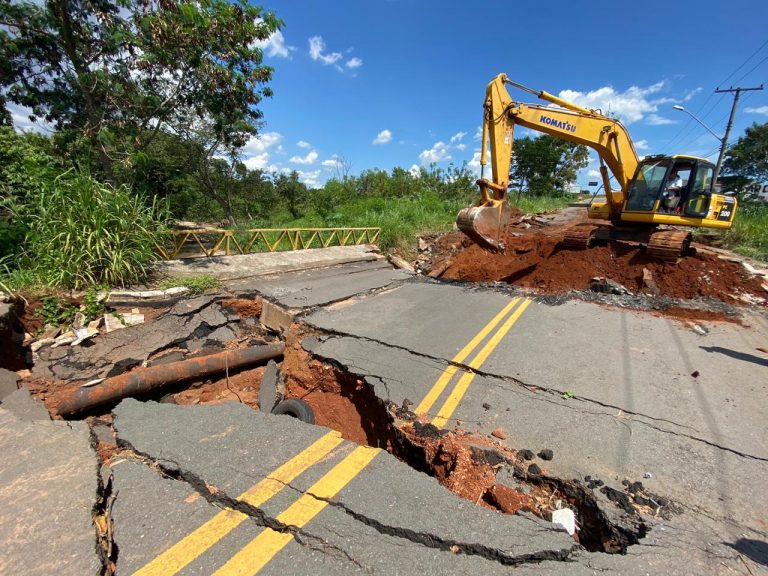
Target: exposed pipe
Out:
[145,380]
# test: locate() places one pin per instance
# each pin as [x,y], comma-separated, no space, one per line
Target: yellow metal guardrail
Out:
[214,241]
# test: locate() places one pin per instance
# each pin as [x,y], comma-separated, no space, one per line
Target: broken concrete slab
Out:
[113,353]
[249,265]
[21,404]
[48,491]
[8,382]
[276,317]
[310,288]
[268,388]
[214,446]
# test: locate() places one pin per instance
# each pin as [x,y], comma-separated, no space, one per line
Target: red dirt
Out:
[240,387]
[245,308]
[534,259]
[339,401]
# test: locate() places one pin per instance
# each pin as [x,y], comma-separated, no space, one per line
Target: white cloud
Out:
[311,179]
[759,110]
[629,106]
[255,153]
[641,145]
[354,63]
[303,144]
[258,162]
[20,116]
[317,49]
[333,162]
[593,174]
[478,134]
[415,171]
[457,137]
[275,46]
[461,147]
[308,159]
[474,164]
[438,153]
[656,120]
[383,137]
[692,93]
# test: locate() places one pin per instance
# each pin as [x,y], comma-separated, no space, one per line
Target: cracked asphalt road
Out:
[227,490]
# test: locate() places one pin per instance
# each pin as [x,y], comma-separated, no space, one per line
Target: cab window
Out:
[698,201]
[645,187]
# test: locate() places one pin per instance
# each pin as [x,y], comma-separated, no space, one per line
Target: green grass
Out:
[538,204]
[401,220]
[749,234]
[196,284]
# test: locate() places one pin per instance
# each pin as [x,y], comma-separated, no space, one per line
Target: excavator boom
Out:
[485,222]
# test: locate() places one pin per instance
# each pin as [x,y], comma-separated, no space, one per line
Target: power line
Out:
[743,64]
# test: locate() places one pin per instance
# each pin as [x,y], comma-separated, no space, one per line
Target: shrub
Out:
[82,233]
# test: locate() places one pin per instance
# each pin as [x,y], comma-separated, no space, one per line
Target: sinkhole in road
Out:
[477,469]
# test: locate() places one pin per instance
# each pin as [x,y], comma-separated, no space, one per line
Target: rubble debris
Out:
[400,263]
[21,404]
[534,469]
[187,322]
[546,454]
[114,321]
[116,297]
[525,454]
[695,374]
[142,381]
[649,283]
[499,433]
[268,392]
[8,382]
[566,518]
[276,317]
[607,286]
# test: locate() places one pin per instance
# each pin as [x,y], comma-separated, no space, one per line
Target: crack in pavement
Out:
[553,391]
[455,546]
[174,471]
[219,499]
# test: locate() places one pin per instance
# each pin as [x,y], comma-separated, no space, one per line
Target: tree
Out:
[748,157]
[546,165]
[291,190]
[118,72]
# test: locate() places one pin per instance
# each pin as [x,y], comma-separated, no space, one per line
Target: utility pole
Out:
[724,142]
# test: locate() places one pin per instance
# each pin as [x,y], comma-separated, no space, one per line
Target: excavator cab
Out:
[670,185]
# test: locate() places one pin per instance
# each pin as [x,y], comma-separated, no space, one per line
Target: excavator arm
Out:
[485,222]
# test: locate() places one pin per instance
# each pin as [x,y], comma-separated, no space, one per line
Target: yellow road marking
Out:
[254,555]
[194,544]
[426,404]
[461,387]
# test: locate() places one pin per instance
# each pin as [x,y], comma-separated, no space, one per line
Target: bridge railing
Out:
[209,242]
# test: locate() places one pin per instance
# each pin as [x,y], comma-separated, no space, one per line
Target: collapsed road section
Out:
[503,402]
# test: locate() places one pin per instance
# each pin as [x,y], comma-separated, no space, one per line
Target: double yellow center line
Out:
[450,404]
[261,549]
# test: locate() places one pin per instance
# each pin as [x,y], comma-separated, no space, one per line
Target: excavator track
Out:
[579,236]
[668,245]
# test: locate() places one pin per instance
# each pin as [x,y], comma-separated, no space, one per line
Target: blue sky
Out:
[363,84]
[401,82]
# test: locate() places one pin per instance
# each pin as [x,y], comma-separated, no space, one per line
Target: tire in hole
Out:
[297,409]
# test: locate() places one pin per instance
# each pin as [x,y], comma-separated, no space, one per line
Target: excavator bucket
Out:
[485,224]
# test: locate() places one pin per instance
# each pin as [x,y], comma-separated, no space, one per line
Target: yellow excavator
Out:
[643,207]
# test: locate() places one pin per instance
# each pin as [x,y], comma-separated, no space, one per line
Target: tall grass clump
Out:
[81,232]
[749,234]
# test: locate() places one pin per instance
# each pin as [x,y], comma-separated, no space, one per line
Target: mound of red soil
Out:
[536,259]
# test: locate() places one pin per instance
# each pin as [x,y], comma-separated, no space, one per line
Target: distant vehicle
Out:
[756,192]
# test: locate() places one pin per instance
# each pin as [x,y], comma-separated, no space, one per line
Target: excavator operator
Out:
[672,190]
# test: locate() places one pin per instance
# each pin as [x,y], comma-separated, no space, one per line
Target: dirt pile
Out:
[536,259]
